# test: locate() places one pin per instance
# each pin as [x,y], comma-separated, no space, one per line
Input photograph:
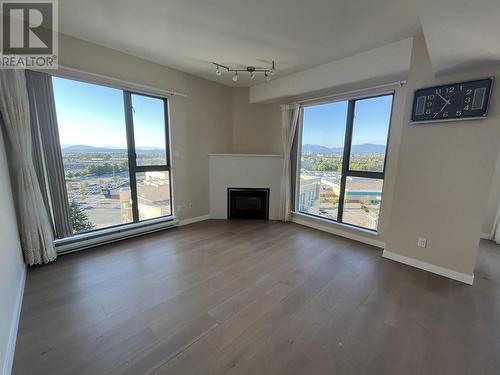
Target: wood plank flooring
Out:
[255,297]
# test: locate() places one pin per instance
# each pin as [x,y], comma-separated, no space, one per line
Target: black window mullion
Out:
[345,158]
[132,156]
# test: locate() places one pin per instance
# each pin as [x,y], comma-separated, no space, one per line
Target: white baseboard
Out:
[328,227]
[14,325]
[464,278]
[485,236]
[192,220]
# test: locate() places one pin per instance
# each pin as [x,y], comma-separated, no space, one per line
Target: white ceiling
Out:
[190,34]
[461,34]
[297,34]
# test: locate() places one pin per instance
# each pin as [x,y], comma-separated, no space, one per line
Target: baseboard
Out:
[338,232]
[485,236]
[192,220]
[462,277]
[11,345]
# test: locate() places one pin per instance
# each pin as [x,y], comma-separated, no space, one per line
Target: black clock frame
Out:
[456,98]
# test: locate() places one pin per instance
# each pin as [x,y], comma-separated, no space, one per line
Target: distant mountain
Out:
[365,148]
[84,149]
[90,149]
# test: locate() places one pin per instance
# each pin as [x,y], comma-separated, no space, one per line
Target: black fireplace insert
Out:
[247,203]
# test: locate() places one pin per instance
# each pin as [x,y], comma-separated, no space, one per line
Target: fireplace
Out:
[247,203]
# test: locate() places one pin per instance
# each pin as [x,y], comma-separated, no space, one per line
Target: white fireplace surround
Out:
[244,171]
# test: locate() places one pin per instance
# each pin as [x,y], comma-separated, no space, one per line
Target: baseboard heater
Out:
[100,237]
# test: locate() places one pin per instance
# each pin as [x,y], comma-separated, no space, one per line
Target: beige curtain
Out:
[47,154]
[34,225]
[289,119]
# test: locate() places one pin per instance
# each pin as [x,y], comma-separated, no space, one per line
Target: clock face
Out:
[452,102]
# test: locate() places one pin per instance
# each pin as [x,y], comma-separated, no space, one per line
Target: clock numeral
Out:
[450,90]
[466,108]
[445,114]
[427,111]
[468,99]
[430,97]
[468,92]
[458,113]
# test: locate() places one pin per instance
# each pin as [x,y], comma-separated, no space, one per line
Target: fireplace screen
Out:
[247,203]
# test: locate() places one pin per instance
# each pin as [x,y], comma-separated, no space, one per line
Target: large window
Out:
[115,154]
[342,160]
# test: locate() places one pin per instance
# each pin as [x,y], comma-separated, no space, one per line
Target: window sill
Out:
[336,224]
[99,237]
[344,230]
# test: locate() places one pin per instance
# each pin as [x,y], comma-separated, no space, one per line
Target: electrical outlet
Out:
[422,242]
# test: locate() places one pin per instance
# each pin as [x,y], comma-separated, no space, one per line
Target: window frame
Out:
[133,168]
[346,156]
[131,155]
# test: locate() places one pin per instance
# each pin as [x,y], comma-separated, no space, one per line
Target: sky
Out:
[93,115]
[325,124]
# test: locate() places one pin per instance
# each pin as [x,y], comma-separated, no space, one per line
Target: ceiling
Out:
[190,34]
[461,34]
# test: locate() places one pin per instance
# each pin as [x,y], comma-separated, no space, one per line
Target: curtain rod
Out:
[347,93]
[110,81]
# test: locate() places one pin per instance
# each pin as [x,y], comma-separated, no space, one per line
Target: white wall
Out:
[11,265]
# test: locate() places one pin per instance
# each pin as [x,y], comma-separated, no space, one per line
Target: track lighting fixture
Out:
[251,70]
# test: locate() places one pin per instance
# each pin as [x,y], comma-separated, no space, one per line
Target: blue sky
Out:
[325,124]
[93,115]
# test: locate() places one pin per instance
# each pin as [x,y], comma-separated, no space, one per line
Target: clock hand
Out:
[448,101]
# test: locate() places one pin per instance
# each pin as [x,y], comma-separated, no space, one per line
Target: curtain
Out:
[495,232]
[33,221]
[289,119]
[47,151]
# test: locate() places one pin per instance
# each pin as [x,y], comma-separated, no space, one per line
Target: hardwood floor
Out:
[255,297]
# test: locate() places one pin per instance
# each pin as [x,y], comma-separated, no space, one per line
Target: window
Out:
[342,160]
[115,154]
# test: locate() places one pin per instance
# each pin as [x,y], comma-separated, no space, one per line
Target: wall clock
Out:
[457,101]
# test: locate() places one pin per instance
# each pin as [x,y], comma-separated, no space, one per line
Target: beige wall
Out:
[493,200]
[256,128]
[438,176]
[11,265]
[200,124]
[444,175]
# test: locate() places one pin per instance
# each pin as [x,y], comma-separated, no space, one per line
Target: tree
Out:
[83,188]
[116,180]
[79,220]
